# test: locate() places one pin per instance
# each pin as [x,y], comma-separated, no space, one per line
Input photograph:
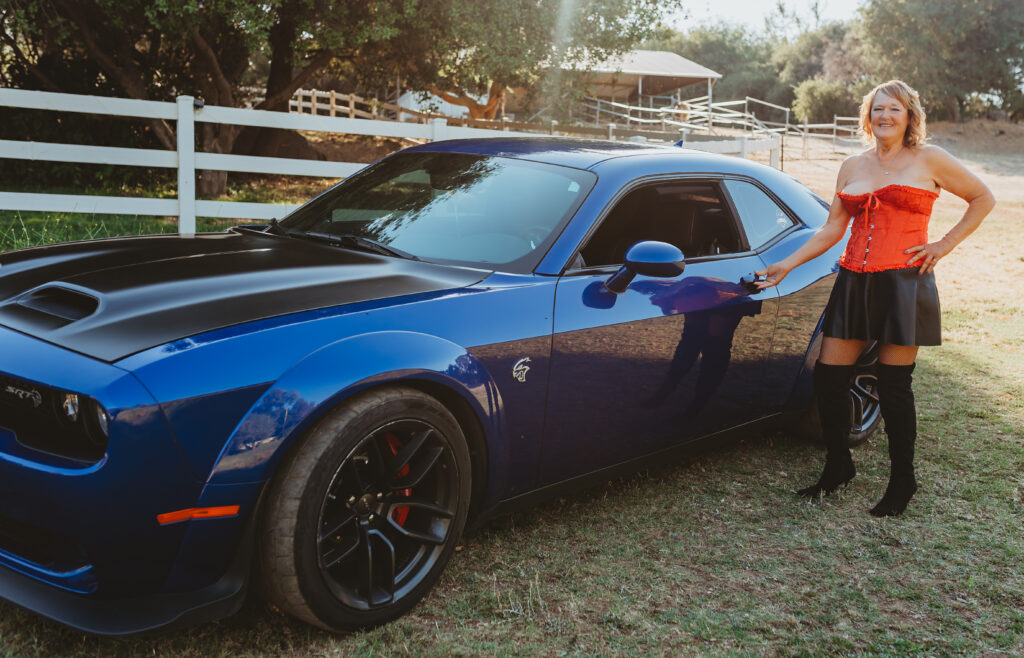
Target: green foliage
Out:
[810,53]
[742,57]
[946,49]
[818,100]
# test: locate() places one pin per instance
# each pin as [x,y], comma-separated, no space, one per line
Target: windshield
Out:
[494,212]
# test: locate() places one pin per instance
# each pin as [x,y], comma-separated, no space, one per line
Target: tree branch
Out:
[321,60]
[227,96]
[129,80]
[477,110]
[32,68]
[462,98]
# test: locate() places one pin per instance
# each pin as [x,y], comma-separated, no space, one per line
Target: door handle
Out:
[748,281]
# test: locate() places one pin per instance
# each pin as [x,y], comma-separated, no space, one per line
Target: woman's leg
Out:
[896,397]
[841,351]
[832,375]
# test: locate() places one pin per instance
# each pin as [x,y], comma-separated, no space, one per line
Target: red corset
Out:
[886,222]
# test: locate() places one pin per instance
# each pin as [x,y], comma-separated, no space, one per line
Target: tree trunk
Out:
[488,110]
[216,138]
[953,108]
[267,141]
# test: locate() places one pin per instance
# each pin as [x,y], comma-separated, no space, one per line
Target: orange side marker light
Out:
[168,518]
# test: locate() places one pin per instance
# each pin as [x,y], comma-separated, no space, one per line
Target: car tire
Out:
[865,413]
[362,518]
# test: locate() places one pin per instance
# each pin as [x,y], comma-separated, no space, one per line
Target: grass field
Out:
[24,229]
[714,555]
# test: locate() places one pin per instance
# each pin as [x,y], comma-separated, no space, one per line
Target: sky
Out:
[751,13]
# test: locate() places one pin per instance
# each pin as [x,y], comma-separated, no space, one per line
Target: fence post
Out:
[805,139]
[437,129]
[611,132]
[313,96]
[333,103]
[835,123]
[186,165]
[554,126]
[774,158]
[743,146]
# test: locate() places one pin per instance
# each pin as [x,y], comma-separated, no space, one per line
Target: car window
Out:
[691,215]
[761,217]
[452,207]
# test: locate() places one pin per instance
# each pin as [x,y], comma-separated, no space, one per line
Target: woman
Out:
[885,290]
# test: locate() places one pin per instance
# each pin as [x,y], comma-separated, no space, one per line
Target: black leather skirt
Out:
[899,307]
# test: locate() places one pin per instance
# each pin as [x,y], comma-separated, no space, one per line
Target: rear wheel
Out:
[364,516]
[865,413]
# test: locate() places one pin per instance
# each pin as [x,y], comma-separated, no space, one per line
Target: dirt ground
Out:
[986,147]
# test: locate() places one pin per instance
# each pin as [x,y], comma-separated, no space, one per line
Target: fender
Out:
[313,386]
[803,388]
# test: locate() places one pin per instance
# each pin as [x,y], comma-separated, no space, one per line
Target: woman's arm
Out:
[830,233]
[952,175]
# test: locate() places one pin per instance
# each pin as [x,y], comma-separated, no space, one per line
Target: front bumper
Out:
[138,614]
[80,541]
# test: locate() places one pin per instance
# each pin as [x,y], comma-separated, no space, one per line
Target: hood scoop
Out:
[51,306]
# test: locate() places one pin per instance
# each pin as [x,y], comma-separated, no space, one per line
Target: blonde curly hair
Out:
[905,94]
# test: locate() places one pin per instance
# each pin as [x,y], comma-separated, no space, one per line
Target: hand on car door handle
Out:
[748,281]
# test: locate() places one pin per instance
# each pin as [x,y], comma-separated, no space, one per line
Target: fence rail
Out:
[186,112]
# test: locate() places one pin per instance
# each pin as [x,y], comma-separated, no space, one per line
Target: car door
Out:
[774,233]
[667,360]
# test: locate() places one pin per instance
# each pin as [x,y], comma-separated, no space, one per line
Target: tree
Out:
[159,49]
[947,49]
[464,49]
[742,57]
[819,100]
[803,58]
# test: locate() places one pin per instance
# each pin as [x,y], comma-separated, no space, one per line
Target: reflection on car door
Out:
[669,359]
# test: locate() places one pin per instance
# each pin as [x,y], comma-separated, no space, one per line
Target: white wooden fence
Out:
[697,114]
[186,112]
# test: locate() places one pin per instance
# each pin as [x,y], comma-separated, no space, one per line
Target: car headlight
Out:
[102,419]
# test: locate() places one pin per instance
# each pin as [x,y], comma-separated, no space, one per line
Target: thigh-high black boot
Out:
[832,390]
[897,401]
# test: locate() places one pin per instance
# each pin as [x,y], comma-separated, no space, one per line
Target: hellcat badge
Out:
[520,369]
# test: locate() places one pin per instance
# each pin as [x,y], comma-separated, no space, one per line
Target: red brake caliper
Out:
[399,514]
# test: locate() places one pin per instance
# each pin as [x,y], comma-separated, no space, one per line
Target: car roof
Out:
[566,151]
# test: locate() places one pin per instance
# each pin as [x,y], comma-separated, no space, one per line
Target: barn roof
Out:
[658,72]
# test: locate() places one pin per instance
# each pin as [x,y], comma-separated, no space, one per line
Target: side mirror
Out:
[649,258]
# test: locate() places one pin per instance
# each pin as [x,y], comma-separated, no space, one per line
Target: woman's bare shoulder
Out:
[933,153]
[850,165]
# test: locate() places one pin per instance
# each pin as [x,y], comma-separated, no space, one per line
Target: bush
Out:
[818,100]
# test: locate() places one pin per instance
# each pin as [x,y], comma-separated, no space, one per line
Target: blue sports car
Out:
[316,408]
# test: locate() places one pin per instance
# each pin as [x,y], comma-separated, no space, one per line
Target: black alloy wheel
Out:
[364,516]
[865,412]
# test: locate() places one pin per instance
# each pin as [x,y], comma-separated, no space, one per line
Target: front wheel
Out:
[363,517]
[865,413]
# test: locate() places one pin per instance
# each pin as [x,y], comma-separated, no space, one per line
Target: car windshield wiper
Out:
[272,228]
[275,227]
[353,241]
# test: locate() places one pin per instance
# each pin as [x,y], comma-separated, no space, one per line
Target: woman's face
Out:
[888,118]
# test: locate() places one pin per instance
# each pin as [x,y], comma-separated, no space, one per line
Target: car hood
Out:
[111,298]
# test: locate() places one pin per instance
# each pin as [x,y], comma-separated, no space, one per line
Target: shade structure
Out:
[648,72]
